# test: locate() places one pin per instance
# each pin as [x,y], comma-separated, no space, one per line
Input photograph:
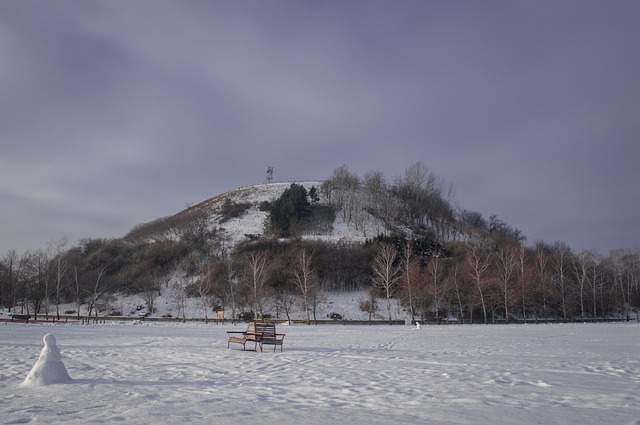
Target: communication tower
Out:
[269,173]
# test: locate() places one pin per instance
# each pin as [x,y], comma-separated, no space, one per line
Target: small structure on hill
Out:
[269,173]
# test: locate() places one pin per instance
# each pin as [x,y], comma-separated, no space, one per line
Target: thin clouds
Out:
[119,113]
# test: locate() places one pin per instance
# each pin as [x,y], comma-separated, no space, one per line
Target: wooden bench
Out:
[269,336]
[260,333]
[242,337]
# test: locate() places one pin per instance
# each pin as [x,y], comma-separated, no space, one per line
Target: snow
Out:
[168,304]
[144,372]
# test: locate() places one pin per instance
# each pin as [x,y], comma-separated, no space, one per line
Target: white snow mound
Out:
[49,368]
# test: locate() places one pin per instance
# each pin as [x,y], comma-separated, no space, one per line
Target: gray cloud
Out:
[112,114]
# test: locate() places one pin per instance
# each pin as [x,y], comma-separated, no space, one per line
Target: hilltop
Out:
[236,216]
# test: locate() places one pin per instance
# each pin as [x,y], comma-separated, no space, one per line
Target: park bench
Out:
[270,337]
[260,333]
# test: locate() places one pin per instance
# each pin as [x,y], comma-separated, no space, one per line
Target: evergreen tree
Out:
[291,206]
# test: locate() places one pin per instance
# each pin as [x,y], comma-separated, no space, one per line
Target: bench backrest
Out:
[265,330]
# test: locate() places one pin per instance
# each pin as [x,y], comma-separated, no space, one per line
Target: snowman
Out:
[49,368]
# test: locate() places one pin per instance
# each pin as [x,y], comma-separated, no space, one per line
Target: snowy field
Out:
[149,373]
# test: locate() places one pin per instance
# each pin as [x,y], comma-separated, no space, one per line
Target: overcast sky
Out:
[115,113]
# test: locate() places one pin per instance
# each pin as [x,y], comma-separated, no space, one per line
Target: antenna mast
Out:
[269,173]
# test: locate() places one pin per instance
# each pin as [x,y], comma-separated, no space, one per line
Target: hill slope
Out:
[236,215]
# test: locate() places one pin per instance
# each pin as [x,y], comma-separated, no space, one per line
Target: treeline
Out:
[433,258]
[256,278]
[489,278]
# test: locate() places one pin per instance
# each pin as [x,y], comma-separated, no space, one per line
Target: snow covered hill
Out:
[251,222]
[236,217]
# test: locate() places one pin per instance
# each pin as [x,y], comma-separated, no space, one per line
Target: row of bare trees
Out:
[36,283]
[33,280]
[260,280]
[257,278]
[485,279]
[489,279]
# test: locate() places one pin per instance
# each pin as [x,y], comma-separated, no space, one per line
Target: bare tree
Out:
[436,284]
[316,297]
[99,288]
[421,191]
[582,269]
[624,267]
[231,280]
[35,274]
[375,189]
[523,274]
[478,261]
[543,287]
[150,292]
[595,272]
[339,189]
[358,214]
[11,262]
[386,273]
[287,299]
[457,287]
[507,266]
[561,262]
[75,290]
[410,270]
[23,281]
[59,270]
[256,278]
[180,287]
[632,281]
[204,288]
[369,305]
[305,278]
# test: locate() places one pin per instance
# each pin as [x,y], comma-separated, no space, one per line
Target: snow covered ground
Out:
[135,372]
[168,305]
